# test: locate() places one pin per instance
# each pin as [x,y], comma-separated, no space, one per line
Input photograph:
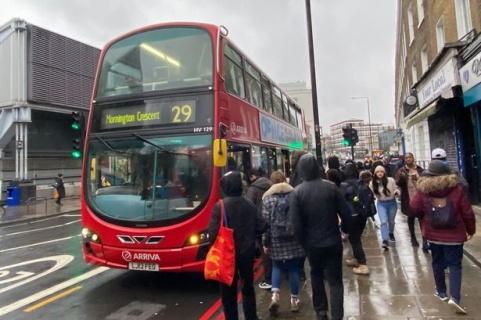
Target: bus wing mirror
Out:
[219,152]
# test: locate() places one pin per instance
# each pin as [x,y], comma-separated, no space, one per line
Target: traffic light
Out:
[77,126]
[346,135]
[354,137]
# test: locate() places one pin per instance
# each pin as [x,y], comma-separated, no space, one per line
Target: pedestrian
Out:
[440,154]
[440,193]
[259,185]
[314,207]
[406,179]
[294,178]
[385,190]
[294,181]
[282,247]
[60,189]
[352,188]
[242,217]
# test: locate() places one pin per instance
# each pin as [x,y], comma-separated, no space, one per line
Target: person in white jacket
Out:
[385,190]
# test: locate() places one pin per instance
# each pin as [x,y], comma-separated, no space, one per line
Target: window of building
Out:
[414,73]
[440,38]
[410,24]
[424,59]
[463,17]
[420,11]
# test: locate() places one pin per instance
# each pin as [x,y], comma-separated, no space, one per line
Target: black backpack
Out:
[360,198]
[281,223]
[442,217]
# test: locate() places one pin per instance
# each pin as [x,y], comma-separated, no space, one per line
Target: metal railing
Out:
[36,199]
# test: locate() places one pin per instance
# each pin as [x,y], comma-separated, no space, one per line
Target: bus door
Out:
[285,162]
[238,159]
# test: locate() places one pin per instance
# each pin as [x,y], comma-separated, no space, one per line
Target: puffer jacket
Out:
[241,216]
[438,187]
[315,205]
[279,248]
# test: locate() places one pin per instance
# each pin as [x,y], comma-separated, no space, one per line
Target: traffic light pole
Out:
[352,144]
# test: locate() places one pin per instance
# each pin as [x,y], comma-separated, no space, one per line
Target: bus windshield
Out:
[145,178]
[160,59]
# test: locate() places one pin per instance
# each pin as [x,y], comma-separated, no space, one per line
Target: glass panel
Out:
[292,113]
[167,58]
[267,99]
[234,78]
[254,90]
[253,72]
[155,179]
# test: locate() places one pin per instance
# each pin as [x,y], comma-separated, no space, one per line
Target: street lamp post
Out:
[368,121]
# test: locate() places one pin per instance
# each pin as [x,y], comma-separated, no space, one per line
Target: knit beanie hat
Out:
[379,168]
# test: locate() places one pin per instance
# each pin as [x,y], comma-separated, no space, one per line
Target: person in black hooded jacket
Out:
[315,206]
[242,216]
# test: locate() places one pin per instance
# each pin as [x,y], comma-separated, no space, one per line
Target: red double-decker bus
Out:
[174,106]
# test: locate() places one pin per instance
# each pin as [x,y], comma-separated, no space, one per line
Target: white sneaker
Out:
[274,306]
[456,307]
[295,302]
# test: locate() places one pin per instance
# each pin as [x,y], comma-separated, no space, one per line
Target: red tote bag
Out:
[220,260]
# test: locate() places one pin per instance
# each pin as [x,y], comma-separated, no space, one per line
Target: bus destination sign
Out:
[149,114]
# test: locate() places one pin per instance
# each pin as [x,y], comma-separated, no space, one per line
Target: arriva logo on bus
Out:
[128,256]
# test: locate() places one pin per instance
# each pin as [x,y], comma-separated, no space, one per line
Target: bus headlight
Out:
[90,236]
[197,238]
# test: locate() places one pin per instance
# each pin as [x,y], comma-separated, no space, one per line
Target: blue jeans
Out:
[450,256]
[292,266]
[387,213]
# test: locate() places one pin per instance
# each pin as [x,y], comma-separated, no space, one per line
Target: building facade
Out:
[44,77]
[434,40]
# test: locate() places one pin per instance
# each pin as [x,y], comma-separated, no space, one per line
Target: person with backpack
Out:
[279,242]
[259,185]
[314,207]
[448,222]
[361,202]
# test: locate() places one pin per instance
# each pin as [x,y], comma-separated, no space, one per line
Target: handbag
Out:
[55,185]
[220,260]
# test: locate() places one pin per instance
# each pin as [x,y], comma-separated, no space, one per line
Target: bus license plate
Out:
[143,266]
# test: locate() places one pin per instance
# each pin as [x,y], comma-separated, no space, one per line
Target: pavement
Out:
[400,284]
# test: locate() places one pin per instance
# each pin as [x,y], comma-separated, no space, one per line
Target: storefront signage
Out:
[470,73]
[434,86]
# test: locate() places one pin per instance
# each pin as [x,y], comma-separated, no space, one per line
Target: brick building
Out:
[432,40]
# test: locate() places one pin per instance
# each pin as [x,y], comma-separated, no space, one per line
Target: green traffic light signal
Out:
[75,126]
[76,154]
[345,142]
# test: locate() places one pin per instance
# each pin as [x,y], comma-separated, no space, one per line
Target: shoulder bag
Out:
[220,260]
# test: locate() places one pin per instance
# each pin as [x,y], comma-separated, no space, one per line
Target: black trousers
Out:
[327,261]
[245,272]
[359,223]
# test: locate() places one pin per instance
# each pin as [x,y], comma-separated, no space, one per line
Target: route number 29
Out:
[181,114]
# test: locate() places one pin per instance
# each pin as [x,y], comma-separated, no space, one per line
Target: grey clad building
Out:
[44,77]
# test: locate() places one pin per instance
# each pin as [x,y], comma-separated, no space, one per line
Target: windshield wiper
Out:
[152,144]
[108,145]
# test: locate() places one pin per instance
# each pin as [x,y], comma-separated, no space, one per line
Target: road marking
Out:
[40,229]
[38,244]
[61,261]
[42,294]
[52,299]
[21,275]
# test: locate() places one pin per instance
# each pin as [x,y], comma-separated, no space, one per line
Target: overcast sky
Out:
[354,41]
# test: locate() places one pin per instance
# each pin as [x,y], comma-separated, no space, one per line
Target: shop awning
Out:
[422,115]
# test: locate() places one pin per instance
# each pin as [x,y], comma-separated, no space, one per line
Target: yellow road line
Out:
[58,296]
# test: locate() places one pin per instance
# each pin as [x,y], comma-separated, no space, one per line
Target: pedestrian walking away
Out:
[448,222]
[406,179]
[385,190]
[279,241]
[60,187]
[315,205]
[259,185]
[242,216]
